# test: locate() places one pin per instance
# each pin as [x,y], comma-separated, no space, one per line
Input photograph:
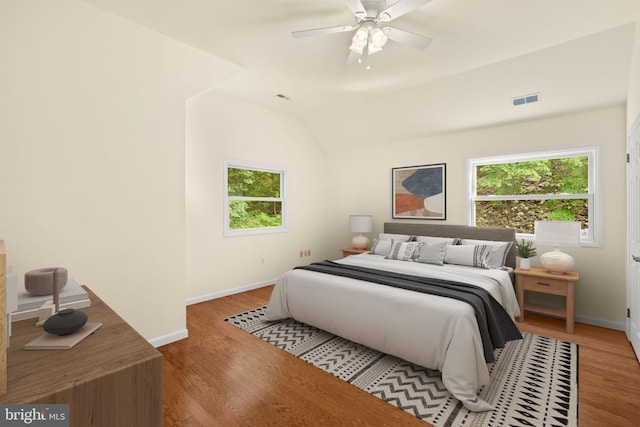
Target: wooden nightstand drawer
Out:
[543,284]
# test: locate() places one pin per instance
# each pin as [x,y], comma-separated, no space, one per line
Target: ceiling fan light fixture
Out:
[368,36]
[359,40]
[361,36]
[371,49]
[357,49]
[377,38]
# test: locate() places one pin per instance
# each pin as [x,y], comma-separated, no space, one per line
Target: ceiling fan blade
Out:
[413,40]
[400,8]
[321,31]
[356,7]
[353,58]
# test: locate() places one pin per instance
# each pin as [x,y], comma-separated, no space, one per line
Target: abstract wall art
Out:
[419,192]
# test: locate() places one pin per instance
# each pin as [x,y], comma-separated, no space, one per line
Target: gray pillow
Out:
[431,240]
[432,254]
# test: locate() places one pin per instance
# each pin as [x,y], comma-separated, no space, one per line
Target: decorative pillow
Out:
[403,251]
[381,247]
[499,251]
[432,254]
[471,255]
[430,240]
[398,237]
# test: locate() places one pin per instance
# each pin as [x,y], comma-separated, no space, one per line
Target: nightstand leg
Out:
[570,307]
[520,301]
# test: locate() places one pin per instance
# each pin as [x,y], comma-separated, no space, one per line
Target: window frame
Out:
[240,164]
[593,237]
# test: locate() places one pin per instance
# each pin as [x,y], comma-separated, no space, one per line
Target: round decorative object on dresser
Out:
[66,322]
[557,262]
[40,281]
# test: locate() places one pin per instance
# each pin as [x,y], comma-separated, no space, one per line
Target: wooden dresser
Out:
[112,378]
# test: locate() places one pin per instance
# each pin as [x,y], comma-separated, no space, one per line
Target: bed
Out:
[428,329]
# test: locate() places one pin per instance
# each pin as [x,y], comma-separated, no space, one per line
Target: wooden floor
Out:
[223,376]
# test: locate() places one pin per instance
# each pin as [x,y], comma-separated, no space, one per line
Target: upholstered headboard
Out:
[498,234]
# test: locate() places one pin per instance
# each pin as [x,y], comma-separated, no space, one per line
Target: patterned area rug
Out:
[534,381]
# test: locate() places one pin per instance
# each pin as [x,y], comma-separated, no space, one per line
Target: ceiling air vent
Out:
[526,99]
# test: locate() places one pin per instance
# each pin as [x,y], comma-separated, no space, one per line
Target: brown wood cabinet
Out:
[540,280]
[112,378]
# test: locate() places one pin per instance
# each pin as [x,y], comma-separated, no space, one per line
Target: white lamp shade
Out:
[360,223]
[557,233]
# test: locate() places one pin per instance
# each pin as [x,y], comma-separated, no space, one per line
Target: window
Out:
[516,190]
[255,198]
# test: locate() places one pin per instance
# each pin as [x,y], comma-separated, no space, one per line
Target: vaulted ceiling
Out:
[575,53]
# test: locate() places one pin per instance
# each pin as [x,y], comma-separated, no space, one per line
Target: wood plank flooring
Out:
[222,376]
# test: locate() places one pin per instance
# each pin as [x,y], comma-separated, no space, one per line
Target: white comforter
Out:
[435,332]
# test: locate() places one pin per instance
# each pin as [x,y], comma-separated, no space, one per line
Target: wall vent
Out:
[526,99]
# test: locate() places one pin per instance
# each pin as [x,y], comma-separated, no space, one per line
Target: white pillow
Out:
[433,240]
[499,250]
[399,237]
[381,247]
[403,251]
[470,255]
[432,254]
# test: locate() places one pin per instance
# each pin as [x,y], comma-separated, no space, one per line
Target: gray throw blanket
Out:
[495,324]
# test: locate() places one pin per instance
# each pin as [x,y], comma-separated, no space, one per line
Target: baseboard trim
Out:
[227,292]
[168,339]
[184,333]
[600,322]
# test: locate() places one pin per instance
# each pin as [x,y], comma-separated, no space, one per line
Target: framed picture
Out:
[419,192]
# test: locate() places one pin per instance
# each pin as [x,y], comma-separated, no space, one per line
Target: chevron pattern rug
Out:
[534,381]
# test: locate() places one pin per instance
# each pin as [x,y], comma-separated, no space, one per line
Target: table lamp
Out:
[360,224]
[557,234]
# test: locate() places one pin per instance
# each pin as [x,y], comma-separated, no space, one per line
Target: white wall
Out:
[220,127]
[600,293]
[633,98]
[92,129]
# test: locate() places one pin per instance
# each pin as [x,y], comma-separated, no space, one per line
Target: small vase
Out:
[525,263]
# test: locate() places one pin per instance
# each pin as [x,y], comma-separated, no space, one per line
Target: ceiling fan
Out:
[369,37]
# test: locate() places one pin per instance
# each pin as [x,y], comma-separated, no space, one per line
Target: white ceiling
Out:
[576,53]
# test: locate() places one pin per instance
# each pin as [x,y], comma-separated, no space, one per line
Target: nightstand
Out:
[540,280]
[352,251]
